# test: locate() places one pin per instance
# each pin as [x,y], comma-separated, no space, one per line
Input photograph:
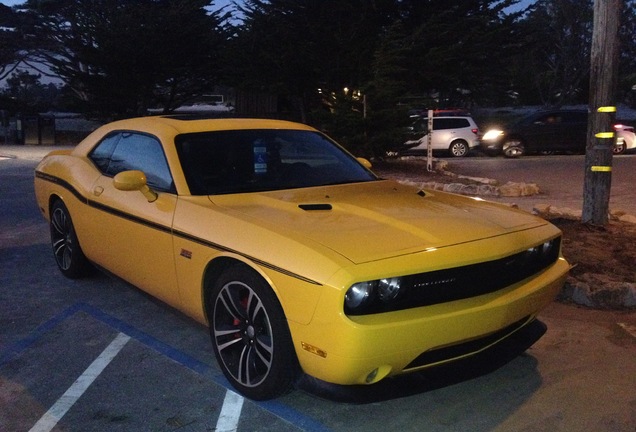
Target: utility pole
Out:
[600,129]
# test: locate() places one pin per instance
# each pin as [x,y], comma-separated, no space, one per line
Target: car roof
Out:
[446,117]
[191,124]
[168,127]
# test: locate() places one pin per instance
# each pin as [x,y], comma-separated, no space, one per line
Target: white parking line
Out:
[74,392]
[230,412]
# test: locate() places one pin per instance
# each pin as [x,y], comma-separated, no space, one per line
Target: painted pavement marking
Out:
[48,421]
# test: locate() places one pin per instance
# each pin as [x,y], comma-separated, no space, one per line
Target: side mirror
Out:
[134,181]
[365,162]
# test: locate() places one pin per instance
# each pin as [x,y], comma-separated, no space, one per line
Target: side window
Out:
[457,123]
[549,119]
[450,123]
[444,123]
[439,124]
[101,154]
[133,151]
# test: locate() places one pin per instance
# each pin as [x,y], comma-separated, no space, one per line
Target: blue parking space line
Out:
[292,416]
[161,347]
[275,407]
[13,350]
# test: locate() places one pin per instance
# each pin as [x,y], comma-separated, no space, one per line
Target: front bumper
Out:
[490,147]
[366,349]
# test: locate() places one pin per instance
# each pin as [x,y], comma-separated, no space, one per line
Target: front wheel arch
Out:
[213,272]
[236,334]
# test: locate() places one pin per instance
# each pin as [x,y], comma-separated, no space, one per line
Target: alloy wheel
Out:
[62,238]
[243,334]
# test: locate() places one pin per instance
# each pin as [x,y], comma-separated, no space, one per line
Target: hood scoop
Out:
[315,207]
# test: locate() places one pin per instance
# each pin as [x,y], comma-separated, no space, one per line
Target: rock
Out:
[566,213]
[627,218]
[512,189]
[547,211]
[599,291]
[487,190]
[542,210]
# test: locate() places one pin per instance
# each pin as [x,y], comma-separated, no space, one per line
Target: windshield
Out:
[239,161]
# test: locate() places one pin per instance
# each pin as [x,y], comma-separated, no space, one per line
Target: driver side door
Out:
[132,237]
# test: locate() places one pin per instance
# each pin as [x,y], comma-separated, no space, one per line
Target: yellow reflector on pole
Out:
[605,135]
[607,109]
[601,168]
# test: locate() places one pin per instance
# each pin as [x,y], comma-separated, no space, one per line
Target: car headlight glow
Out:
[492,134]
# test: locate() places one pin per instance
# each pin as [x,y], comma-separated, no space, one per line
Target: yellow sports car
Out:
[297,257]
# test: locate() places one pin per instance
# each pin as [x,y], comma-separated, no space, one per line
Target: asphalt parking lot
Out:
[123,363]
[100,355]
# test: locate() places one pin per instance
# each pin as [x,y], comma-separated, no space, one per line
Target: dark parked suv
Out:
[542,132]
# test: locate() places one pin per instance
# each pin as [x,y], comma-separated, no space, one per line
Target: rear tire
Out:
[250,335]
[66,247]
[459,148]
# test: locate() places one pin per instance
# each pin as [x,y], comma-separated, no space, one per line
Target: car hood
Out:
[381,219]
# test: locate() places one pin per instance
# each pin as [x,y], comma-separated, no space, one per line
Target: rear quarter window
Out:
[450,123]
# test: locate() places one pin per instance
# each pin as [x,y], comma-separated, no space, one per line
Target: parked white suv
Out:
[626,138]
[456,135]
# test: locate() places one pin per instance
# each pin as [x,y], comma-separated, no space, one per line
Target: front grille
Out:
[470,347]
[442,286]
[470,281]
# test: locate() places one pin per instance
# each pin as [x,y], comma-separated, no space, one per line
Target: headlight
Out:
[389,289]
[543,253]
[548,247]
[492,134]
[359,295]
[373,296]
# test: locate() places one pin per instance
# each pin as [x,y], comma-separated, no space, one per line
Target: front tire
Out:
[250,336]
[619,149]
[513,148]
[66,247]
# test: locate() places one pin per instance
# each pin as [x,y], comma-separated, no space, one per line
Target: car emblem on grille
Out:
[435,282]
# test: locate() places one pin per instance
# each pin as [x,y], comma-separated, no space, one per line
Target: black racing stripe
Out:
[130,217]
[63,183]
[165,229]
[251,258]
